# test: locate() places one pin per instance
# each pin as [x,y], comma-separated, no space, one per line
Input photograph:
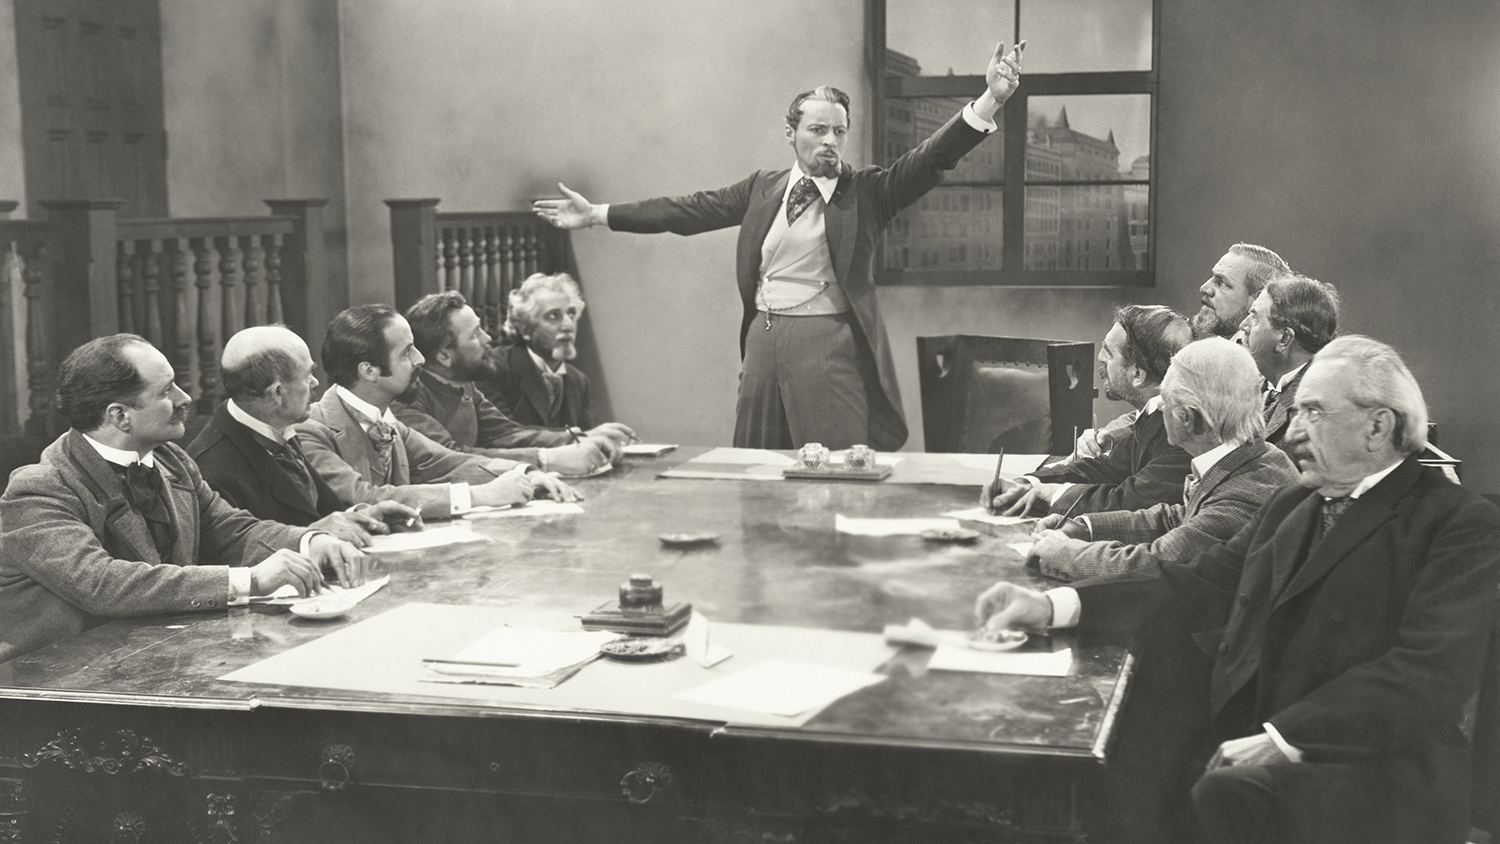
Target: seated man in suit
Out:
[115,520]
[365,454]
[248,451]
[1142,469]
[1340,636]
[1237,279]
[1212,409]
[445,404]
[530,379]
[1292,318]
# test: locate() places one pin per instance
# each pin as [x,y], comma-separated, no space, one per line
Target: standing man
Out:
[1141,468]
[1292,319]
[1338,640]
[248,451]
[817,364]
[364,453]
[116,521]
[445,404]
[1237,279]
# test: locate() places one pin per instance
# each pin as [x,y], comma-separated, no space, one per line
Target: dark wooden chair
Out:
[981,394]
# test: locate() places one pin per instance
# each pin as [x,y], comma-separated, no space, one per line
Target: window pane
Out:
[1103,136]
[1071,36]
[909,122]
[939,37]
[951,228]
[1088,227]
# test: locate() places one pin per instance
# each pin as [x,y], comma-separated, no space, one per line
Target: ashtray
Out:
[996,640]
[688,537]
[643,650]
[321,609]
[949,535]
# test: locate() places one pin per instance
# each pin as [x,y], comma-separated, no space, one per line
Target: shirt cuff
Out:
[599,215]
[1088,524]
[541,458]
[972,118]
[1287,750]
[239,585]
[1065,606]
[305,546]
[459,498]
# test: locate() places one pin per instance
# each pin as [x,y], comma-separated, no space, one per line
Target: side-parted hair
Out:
[1265,265]
[94,376]
[250,377]
[1310,308]
[1377,377]
[357,335]
[521,316]
[826,93]
[1153,333]
[431,319]
[1220,379]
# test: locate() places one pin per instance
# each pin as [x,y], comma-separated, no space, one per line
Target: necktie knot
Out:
[144,491]
[1333,508]
[801,197]
[1189,486]
[382,434]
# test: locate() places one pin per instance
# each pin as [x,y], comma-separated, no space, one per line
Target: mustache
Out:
[181,411]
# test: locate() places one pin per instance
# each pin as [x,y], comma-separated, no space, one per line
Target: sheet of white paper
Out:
[700,648]
[889,527]
[287,595]
[647,449]
[536,507]
[979,514]
[432,537]
[744,456]
[694,474]
[1010,464]
[1022,548]
[920,633]
[963,658]
[779,687]
[526,652]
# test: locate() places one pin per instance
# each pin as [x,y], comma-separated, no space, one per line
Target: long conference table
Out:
[131,733]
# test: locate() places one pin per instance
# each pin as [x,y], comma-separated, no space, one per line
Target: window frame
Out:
[886,89]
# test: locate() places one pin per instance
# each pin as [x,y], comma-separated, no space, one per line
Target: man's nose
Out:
[1207,289]
[179,395]
[417,359]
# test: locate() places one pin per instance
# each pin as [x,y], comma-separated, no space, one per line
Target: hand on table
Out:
[512,488]
[1007,606]
[348,564]
[549,486]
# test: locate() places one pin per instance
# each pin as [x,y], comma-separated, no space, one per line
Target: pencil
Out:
[999,461]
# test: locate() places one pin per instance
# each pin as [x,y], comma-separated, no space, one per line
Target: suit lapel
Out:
[265,467]
[129,536]
[759,215]
[354,444]
[1227,466]
[182,505]
[838,213]
[531,380]
[1289,544]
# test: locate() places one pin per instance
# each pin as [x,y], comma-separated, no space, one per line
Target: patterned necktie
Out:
[143,489]
[1189,486]
[554,384]
[801,197]
[1272,394]
[383,435]
[289,457]
[1333,508]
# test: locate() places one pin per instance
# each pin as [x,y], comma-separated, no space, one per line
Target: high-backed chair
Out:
[981,394]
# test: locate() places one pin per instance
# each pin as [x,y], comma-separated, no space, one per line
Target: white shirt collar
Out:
[259,427]
[826,184]
[1371,480]
[1287,378]
[119,456]
[1152,405]
[542,364]
[368,414]
[1209,459]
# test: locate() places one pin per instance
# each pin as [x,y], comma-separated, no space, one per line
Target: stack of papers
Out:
[432,537]
[286,596]
[646,449]
[979,514]
[513,656]
[534,507]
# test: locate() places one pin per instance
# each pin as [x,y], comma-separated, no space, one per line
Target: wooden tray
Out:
[839,473]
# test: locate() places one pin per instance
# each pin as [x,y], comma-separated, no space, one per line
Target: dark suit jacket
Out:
[241,470]
[1364,648]
[1141,470]
[1280,417]
[461,418]
[73,554]
[517,389]
[862,206]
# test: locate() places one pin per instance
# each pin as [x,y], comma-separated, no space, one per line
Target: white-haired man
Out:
[1211,407]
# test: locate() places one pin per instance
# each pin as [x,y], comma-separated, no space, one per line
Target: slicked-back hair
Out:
[1310,308]
[826,93]
[521,315]
[1153,333]
[431,319]
[254,374]
[1220,379]
[356,336]
[96,375]
[1378,377]
[1265,265]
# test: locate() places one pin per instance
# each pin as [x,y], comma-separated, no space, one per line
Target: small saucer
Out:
[322,608]
[688,537]
[602,470]
[949,535]
[643,650]
[997,640]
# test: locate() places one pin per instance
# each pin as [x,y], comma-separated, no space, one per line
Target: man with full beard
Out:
[1237,279]
[445,403]
[115,520]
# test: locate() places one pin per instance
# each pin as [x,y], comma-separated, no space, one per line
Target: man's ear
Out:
[1195,421]
[368,371]
[1137,376]
[1380,429]
[790,133]
[444,356]
[117,414]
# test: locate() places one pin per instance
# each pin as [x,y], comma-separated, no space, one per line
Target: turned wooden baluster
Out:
[181,353]
[39,349]
[508,280]
[125,278]
[491,297]
[231,297]
[150,270]
[465,237]
[530,253]
[208,345]
[450,260]
[273,281]
[254,265]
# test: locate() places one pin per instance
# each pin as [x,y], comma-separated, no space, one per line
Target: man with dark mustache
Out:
[115,520]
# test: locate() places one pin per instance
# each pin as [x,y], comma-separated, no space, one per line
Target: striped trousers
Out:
[807,379]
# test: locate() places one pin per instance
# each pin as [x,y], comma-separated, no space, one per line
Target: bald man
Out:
[248,452]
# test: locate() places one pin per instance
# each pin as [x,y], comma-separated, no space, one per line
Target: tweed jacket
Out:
[1365,645]
[461,418]
[241,470]
[517,389]
[421,470]
[861,207]
[1141,470]
[1280,417]
[1219,505]
[73,554]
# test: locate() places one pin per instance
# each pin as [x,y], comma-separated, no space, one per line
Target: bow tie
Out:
[144,491]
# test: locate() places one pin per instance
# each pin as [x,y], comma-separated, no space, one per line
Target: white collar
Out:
[1287,378]
[537,359]
[1152,405]
[259,427]
[826,184]
[368,412]
[120,456]
[1371,480]
[1209,459]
